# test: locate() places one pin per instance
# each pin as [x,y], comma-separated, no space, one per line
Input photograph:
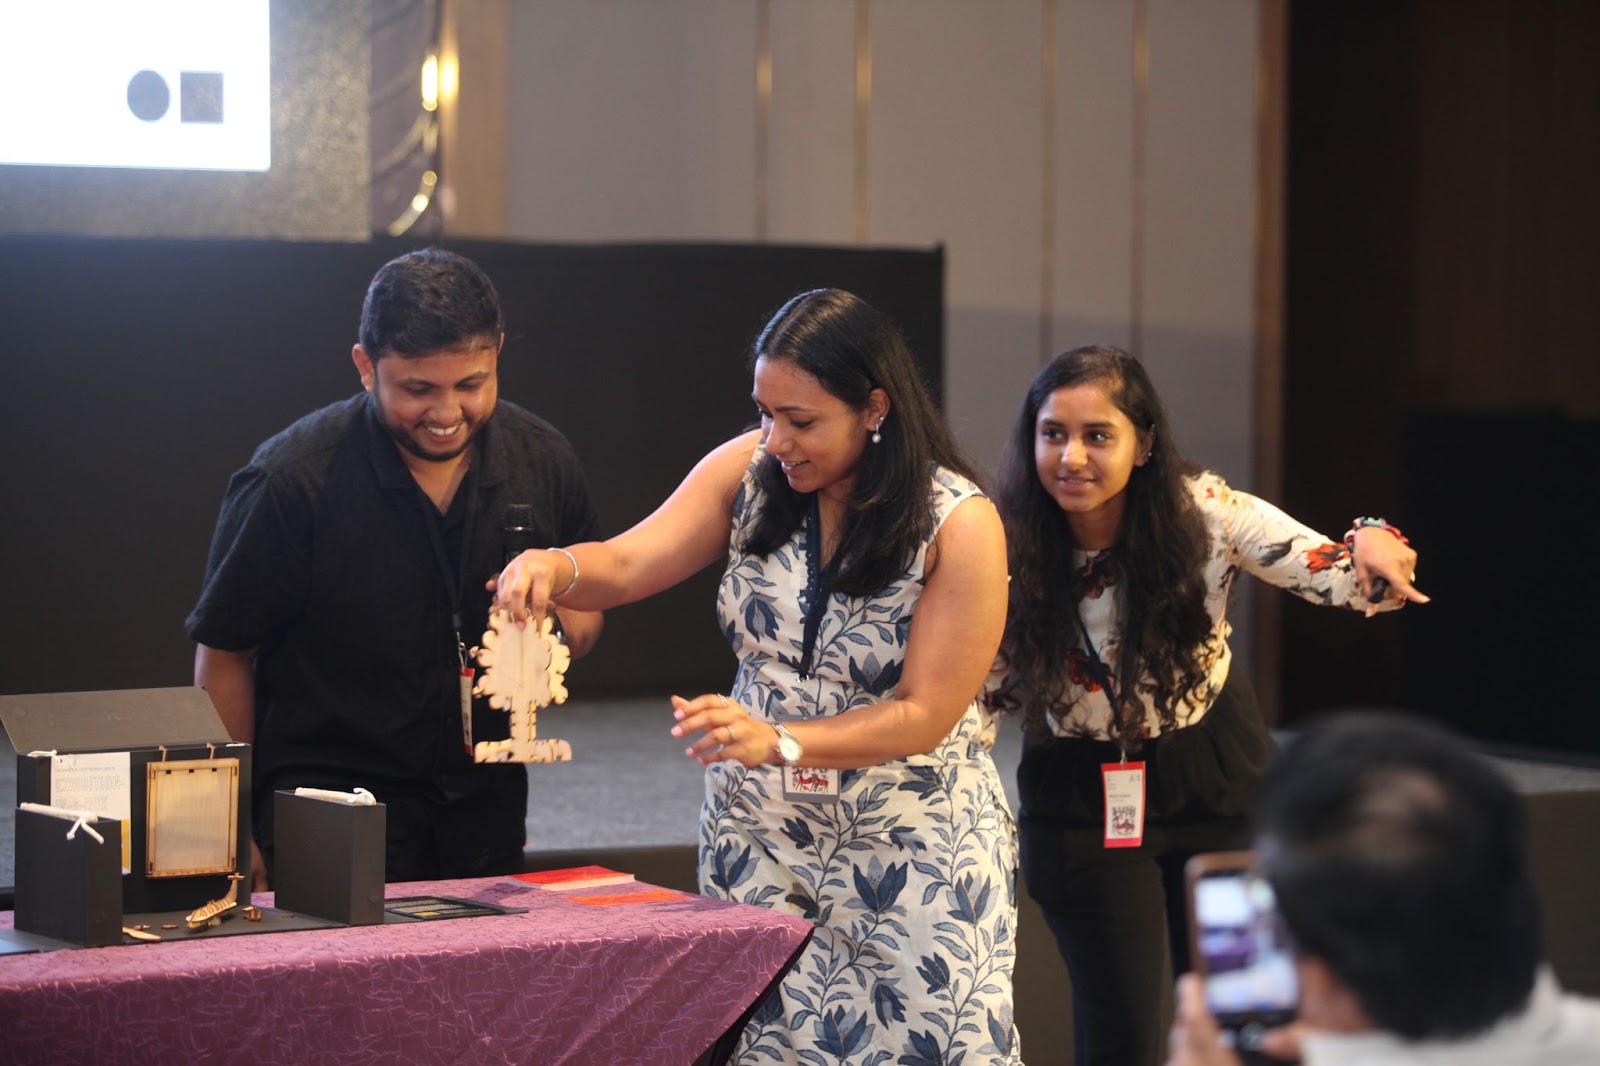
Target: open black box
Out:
[151,725]
[330,858]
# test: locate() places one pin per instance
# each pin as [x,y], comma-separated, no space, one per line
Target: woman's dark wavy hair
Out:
[851,348]
[1160,555]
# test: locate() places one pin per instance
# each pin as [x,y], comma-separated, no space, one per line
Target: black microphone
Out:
[516,531]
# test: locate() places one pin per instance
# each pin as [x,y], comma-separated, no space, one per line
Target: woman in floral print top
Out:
[863,590]
[1123,558]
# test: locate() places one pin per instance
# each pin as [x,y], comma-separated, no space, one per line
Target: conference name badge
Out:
[464,695]
[1124,794]
[806,784]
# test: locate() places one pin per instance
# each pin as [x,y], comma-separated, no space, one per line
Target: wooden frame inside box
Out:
[183,773]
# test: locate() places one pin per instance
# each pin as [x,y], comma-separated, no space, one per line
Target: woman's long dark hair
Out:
[1159,559]
[851,348]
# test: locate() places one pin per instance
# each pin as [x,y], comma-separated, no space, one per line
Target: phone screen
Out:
[1249,969]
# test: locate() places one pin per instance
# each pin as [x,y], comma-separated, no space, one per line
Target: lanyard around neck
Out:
[456,581]
[819,580]
[1102,676]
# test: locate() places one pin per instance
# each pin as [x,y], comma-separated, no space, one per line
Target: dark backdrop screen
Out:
[143,373]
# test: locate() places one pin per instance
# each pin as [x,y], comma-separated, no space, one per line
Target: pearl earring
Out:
[877,438]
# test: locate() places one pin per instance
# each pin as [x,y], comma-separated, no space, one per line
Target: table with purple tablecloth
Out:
[564,983]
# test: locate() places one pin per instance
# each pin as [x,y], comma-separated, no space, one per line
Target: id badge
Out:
[1124,788]
[464,683]
[805,784]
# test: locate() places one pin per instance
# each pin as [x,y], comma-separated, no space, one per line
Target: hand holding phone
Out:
[1239,947]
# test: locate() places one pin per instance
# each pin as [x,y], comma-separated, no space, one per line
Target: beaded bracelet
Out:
[574,561]
[1372,523]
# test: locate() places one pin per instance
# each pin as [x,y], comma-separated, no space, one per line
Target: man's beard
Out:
[407,440]
[409,443]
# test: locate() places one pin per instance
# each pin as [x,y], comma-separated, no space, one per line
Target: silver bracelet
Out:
[574,561]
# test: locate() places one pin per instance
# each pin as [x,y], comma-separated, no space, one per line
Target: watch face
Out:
[788,748]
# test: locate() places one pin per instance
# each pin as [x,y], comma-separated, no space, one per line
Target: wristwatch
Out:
[789,749]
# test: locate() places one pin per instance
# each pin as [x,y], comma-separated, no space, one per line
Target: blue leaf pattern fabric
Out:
[910,877]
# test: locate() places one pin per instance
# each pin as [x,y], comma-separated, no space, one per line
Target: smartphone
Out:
[1238,945]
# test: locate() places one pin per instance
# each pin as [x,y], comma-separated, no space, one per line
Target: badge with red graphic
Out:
[1124,793]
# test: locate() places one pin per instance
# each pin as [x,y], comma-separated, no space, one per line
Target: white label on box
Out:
[98,782]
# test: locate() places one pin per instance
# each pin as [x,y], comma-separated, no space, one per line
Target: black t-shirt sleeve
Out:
[579,521]
[257,574]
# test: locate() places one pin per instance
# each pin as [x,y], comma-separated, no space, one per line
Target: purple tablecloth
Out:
[565,983]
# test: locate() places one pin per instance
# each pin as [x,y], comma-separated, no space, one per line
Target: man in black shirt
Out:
[347,571]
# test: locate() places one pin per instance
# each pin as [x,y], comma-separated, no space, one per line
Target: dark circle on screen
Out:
[148,95]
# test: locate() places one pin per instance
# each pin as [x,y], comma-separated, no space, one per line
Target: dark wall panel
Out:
[142,373]
[1443,252]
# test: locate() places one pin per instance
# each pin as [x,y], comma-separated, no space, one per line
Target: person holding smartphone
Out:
[1143,747]
[1239,944]
[1400,868]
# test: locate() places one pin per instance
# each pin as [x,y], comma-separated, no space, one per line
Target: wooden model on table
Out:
[523,669]
[212,913]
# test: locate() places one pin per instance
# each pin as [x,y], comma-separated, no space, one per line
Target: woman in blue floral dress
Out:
[848,780]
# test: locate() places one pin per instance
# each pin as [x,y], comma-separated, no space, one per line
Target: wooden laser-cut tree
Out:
[523,669]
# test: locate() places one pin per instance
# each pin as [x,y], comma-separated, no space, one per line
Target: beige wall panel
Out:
[632,120]
[473,138]
[954,154]
[1199,279]
[1200,224]
[989,360]
[811,141]
[1093,203]
[953,140]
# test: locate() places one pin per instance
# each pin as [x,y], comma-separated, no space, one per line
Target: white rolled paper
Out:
[359,798]
[79,819]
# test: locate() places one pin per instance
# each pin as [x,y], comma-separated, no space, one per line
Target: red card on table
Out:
[613,899]
[572,877]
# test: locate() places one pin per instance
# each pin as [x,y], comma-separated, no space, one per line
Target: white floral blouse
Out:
[1247,534]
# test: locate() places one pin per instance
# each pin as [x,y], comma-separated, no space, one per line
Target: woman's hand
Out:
[523,589]
[730,732]
[1379,555]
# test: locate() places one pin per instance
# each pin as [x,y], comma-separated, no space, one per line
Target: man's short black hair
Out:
[429,301]
[1399,858]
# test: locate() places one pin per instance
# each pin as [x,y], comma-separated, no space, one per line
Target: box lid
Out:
[116,719]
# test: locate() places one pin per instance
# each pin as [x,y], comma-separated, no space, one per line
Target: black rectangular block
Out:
[69,889]
[329,858]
